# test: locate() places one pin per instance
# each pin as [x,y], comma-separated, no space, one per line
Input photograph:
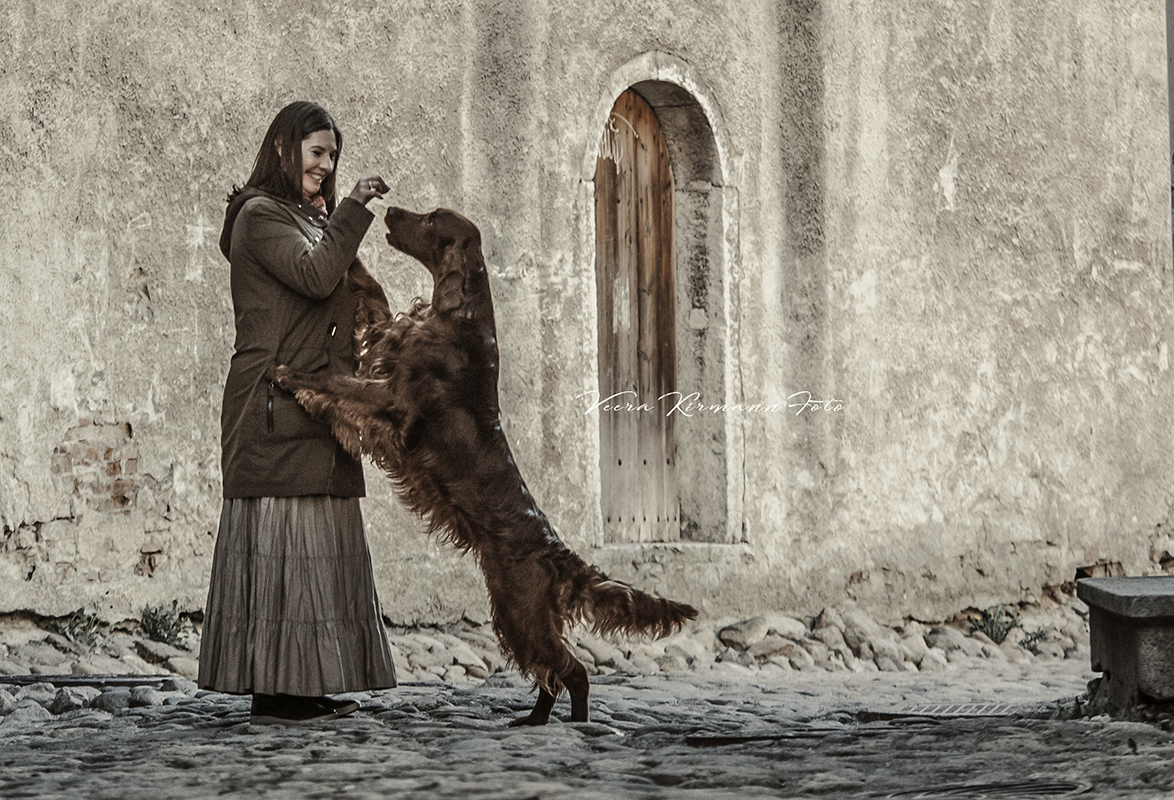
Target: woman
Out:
[292,614]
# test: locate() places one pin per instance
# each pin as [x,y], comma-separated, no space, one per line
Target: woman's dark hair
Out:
[281,174]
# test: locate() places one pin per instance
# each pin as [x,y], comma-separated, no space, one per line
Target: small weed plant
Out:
[79,627]
[1031,641]
[996,623]
[167,625]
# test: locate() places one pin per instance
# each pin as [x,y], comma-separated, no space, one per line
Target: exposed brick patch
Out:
[97,464]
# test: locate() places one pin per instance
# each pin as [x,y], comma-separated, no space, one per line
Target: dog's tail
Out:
[614,607]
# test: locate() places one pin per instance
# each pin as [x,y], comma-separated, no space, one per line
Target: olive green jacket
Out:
[292,306]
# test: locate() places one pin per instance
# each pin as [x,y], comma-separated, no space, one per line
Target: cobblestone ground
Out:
[652,736]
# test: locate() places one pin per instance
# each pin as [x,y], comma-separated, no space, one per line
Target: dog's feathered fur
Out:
[424,406]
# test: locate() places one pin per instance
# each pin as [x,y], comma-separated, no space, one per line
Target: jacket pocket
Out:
[269,409]
[286,419]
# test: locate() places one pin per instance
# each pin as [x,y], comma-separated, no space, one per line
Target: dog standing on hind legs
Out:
[423,406]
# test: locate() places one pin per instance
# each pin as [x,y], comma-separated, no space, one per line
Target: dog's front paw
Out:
[530,721]
[286,378]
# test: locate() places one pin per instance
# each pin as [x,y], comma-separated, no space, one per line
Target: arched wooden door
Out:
[637,338]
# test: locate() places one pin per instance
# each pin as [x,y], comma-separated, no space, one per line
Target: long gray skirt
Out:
[292,607]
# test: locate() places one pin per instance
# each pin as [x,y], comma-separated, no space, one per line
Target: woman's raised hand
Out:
[369,187]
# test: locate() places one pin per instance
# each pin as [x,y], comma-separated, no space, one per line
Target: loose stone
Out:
[886,648]
[857,640]
[856,617]
[645,666]
[745,633]
[957,656]
[993,652]
[653,650]
[688,650]
[12,668]
[833,638]
[40,693]
[934,660]
[818,650]
[38,654]
[828,618]
[603,652]
[461,653]
[26,715]
[837,638]
[188,687]
[669,663]
[112,700]
[768,648]
[945,637]
[585,658]
[1048,649]
[799,657]
[972,647]
[157,652]
[729,655]
[144,696]
[72,698]
[101,664]
[915,647]
[455,673]
[1014,653]
[979,636]
[64,645]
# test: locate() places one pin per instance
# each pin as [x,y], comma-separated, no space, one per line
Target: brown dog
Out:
[423,405]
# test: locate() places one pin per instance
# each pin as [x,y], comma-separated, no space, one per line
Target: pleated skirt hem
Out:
[292,606]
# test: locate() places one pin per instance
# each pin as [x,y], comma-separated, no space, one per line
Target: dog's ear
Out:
[474,263]
[449,292]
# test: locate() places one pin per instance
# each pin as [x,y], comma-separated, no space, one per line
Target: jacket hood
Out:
[236,202]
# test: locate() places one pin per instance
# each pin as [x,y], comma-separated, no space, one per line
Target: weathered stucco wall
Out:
[999,266]
[951,217]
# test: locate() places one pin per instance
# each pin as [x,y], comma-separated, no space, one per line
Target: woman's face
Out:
[319,150]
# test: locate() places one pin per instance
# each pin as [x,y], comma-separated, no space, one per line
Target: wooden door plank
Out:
[667,350]
[606,246]
[647,249]
[629,495]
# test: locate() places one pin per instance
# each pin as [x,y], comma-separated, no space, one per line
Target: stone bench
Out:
[1131,632]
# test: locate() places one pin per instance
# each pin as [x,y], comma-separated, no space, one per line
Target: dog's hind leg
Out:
[529,624]
[578,687]
[540,714]
[572,675]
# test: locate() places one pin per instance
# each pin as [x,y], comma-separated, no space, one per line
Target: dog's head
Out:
[443,241]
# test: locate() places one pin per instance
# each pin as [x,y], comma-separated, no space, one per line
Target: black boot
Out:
[341,707]
[288,709]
